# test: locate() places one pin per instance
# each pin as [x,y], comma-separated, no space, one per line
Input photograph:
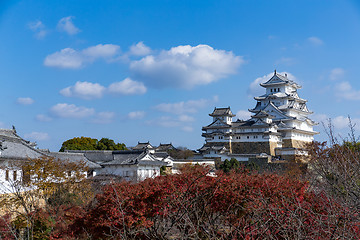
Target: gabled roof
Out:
[273,95]
[217,123]
[271,108]
[74,158]
[143,146]
[133,158]
[12,146]
[263,114]
[165,147]
[97,156]
[278,79]
[222,112]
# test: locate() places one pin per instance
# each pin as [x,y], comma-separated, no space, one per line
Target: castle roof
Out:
[222,112]
[278,79]
[142,146]
[134,158]
[165,147]
[13,147]
[74,158]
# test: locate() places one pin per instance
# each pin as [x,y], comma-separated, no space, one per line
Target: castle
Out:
[279,126]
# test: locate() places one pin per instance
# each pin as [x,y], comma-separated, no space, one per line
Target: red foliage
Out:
[235,206]
[6,227]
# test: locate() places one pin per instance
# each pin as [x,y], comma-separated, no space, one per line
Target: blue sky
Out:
[153,70]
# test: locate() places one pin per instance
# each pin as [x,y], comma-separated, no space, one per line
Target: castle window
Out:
[271,90]
[278,89]
[15,175]
[7,175]
[248,137]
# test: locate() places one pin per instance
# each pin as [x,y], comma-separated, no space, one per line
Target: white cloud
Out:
[185,66]
[38,28]
[64,110]
[66,25]
[336,73]
[344,90]
[101,51]
[180,108]
[104,117]
[127,87]
[37,136]
[25,101]
[187,129]
[315,41]
[73,59]
[320,117]
[66,58]
[243,115]
[186,118]
[136,115]
[43,118]
[84,90]
[139,49]
[340,122]
[256,90]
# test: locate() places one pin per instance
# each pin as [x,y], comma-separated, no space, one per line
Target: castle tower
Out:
[280,124]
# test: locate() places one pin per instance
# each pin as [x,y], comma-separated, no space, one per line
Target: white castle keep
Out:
[280,125]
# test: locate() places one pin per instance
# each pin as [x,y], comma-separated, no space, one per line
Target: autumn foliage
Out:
[193,205]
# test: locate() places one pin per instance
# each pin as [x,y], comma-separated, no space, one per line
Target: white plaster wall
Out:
[6,186]
[144,172]
[289,89]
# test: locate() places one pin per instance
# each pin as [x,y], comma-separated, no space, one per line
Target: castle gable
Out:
[273,110]
[218,123]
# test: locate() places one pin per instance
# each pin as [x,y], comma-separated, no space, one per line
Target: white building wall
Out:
[144,172]
[7,185]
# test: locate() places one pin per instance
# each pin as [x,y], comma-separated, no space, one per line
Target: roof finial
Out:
[275,72]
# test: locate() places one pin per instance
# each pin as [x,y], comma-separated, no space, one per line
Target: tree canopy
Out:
[87,143]
[227,165]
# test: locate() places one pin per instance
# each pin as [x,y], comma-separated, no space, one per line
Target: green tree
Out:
[227,165]
[109,144]
[79,143]
[87,143]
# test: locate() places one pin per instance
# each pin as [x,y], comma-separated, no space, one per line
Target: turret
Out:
[223,114]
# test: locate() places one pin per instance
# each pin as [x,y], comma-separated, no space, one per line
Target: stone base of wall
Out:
[289,143]
[295,158]
[252,148]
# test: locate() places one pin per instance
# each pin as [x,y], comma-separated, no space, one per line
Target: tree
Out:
[87,143]
[79,143]
[227,165]
[109,144]
[193,205]
[334,167]
[180,153]
[32,202]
